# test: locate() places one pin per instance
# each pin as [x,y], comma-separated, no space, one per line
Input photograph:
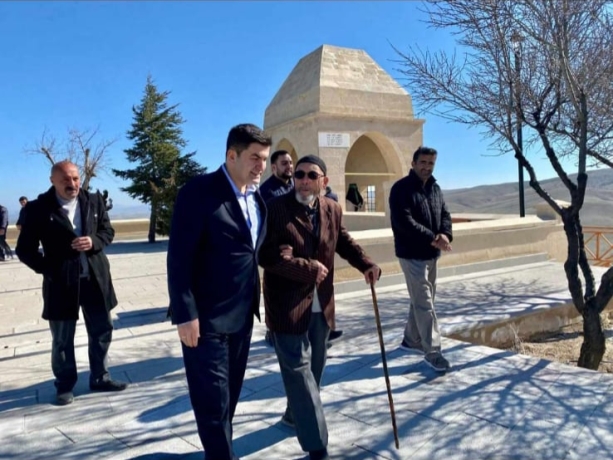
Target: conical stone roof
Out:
[338,81]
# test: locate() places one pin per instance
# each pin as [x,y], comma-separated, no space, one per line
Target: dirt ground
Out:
[564,346]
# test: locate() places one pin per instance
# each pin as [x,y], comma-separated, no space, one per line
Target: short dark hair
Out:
[276,154]
[423,151]
[243,135]
[23,198]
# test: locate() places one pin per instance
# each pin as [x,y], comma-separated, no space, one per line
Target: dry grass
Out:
[564,345]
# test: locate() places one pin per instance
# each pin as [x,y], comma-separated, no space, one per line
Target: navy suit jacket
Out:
[212,264]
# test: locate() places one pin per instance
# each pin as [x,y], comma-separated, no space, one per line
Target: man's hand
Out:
[442,242]
[372,274]
[2,231]
[81,244]
[322,272]
[287,252]
[189,333]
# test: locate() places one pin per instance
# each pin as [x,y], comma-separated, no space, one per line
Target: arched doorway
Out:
[285,144]
[371,162]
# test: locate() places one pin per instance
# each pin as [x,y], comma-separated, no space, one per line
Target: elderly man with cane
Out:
[299,293]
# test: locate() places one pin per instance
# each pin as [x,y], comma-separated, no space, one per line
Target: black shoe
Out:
[65,398]
[410,347]
[108,385]
[319,455]
[288,419]
[437,362]
[334,335]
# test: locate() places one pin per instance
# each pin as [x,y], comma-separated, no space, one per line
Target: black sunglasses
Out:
[311,175]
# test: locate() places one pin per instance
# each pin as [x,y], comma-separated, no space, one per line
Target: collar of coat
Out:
[418,183]
[50,198]
[299,211]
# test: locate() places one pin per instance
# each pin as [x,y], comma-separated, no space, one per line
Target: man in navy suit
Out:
[217,227]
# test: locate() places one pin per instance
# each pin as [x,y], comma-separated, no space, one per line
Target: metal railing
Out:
[598,245]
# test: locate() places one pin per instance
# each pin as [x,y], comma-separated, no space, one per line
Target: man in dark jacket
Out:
[218,225]
[22,212]
[281,180]
[5,249]
[73,228]
[421,225]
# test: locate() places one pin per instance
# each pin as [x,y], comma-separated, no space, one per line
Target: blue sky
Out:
[84,64]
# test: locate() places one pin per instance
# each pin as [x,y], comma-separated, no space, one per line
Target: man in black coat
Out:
[421,225]
[22,212]
[5,249]
[281,180]
[73,228]
[218,225]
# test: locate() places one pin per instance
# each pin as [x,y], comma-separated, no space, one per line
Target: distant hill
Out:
[489,199]
[136,211]
[503,198]
[119,211]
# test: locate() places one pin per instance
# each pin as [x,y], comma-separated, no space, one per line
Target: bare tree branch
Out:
[46,146]
[80,148]
[545,65]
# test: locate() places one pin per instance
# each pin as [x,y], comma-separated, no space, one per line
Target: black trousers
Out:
[215,370]
[99,333]
[5,249]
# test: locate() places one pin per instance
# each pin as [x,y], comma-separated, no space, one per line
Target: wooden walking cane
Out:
[384,360]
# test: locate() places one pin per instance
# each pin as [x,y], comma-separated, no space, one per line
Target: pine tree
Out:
[160,168]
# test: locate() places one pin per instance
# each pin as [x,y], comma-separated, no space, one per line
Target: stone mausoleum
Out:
[339,104]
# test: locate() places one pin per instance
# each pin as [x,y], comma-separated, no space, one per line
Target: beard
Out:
[304,200]
[285,177]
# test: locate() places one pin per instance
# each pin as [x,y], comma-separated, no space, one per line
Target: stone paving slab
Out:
[493,404]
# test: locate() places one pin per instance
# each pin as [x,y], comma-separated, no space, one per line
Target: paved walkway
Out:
[491,405]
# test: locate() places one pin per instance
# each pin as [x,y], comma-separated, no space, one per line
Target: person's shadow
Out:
[243,446]
[169,456]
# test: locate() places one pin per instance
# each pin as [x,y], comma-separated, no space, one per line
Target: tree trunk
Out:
[593,347]
[152,223]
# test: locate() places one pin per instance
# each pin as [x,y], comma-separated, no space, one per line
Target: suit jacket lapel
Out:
[58,216]
[263,216]
[84,208]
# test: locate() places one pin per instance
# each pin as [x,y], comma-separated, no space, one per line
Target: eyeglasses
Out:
[312,175]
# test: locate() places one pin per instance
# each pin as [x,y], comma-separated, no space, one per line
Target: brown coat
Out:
[289,284]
